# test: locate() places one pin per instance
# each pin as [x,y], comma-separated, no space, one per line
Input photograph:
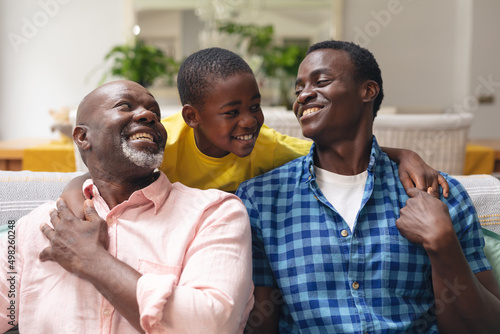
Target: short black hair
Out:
[366,67]
[202,69]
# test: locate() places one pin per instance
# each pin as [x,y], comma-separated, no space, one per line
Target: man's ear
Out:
[80,137]
[191,115]
[370,91]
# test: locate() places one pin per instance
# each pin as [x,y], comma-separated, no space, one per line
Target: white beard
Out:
[141,158]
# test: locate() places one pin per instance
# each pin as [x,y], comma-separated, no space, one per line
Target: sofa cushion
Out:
[484,190]
[492,251]
[21,192]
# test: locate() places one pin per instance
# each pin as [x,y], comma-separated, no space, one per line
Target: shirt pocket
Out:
[406,268]
[149,267]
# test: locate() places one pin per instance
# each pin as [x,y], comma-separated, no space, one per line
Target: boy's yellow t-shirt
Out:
[183,162]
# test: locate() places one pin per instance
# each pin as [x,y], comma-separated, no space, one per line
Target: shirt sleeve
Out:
[262,273]
[214,293]
[467,226]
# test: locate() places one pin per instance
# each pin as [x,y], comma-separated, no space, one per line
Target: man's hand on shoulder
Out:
[74,243]
[425,220]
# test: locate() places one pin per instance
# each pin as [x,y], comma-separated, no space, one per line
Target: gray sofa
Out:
[21,192]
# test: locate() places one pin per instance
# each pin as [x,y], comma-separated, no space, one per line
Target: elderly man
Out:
[151,256]
[335,249]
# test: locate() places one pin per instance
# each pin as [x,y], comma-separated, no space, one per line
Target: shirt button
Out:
[355,285]
[107,312]
[344,233]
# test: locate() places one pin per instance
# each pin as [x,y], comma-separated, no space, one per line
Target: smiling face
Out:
[331,104]
[122,122]
[230,119]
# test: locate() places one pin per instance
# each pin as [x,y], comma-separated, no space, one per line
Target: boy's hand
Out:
[414,172]
[74,243]
[73,195]
[425,220]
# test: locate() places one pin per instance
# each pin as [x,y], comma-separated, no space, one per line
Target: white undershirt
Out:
[344,192]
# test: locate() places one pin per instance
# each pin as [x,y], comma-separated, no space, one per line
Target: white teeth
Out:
[310,111]
[142,136]
[245,137]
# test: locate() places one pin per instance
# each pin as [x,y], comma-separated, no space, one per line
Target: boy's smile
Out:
[231,117]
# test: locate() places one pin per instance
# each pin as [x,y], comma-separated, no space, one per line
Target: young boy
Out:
[220,140]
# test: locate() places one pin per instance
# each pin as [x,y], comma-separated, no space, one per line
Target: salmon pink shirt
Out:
[192,247]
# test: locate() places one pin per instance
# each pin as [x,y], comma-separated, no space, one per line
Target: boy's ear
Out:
[370,91]
[191,115]
[80,137]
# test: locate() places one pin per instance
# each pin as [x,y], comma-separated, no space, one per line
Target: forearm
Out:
[117,282]
[214,311]
[463,304]
[215,286]
[395,154]
[73,195]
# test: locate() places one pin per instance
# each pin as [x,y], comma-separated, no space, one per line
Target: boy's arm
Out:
[415,173]
[73,195]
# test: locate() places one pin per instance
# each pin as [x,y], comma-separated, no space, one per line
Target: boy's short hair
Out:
[201,70]
[366,67]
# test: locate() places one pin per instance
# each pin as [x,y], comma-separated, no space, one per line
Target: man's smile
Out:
[310,111]
[142,136]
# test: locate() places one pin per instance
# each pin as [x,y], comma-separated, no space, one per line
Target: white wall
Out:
[413,42]
[485,69]
[432,53]
[51,55]
[162,29]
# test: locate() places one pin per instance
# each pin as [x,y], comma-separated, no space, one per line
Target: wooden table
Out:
[12,151]
[495,145]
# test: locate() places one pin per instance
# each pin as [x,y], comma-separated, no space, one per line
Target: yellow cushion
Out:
[479,159]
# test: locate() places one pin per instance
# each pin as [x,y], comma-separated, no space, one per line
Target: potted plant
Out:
[141,63]
[282,63]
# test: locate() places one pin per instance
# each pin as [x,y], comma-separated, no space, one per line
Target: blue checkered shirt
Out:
[372,280]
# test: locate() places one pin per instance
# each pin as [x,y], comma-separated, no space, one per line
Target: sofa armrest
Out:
[484,191]
[23,191]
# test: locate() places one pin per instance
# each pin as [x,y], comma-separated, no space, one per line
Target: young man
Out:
[152,256]
[333,250]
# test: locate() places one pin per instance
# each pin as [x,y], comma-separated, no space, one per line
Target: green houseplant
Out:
[141,63]
[282,63]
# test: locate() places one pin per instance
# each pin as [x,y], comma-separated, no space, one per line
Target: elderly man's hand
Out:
[425,220]
[74,243]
